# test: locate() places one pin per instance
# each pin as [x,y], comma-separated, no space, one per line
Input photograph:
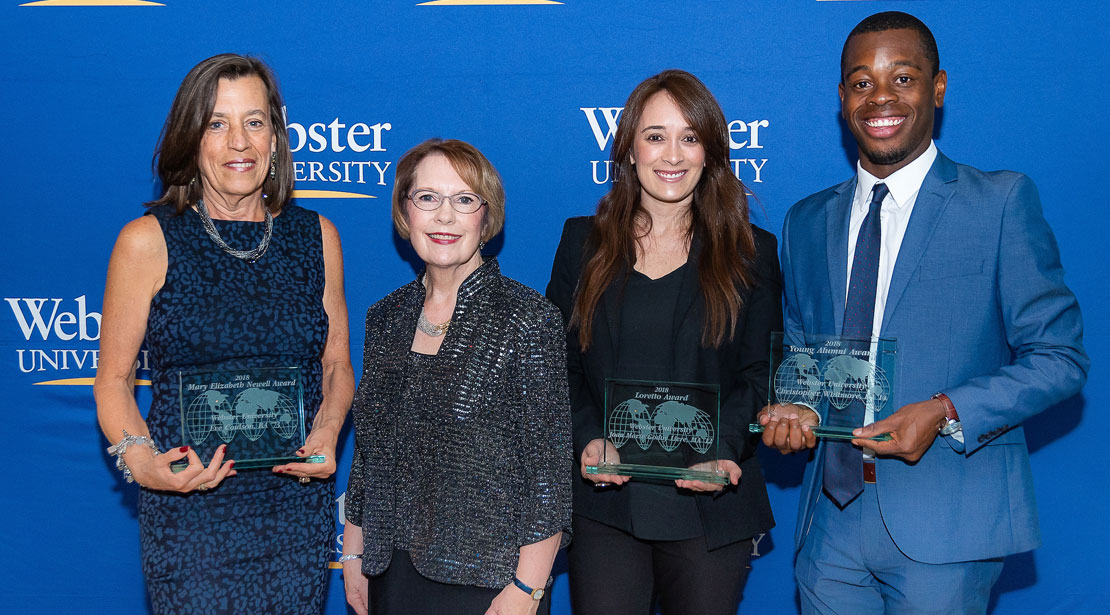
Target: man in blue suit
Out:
[959,267]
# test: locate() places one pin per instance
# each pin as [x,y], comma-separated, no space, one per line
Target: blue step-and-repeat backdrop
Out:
[85,86]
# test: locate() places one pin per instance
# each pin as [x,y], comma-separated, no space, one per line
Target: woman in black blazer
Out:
[669,282]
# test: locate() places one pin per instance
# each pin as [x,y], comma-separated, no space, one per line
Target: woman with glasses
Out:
[459,495]
[672,233]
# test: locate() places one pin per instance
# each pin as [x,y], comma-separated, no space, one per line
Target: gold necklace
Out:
[430,329]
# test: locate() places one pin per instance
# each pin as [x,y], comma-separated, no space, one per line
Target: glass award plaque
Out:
[660,429]
[835,376]
[258,413]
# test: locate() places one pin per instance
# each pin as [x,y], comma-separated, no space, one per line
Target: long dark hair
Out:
[718,215]
[175,157]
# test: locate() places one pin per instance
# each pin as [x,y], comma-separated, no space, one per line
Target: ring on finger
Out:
[304,480]
[202,487]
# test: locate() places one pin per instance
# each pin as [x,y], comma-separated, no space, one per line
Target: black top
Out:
[658,510]
[739,366]
[647,315]
[464,456]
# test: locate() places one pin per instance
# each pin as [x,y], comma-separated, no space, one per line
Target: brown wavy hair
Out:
[718,215]
[175,157]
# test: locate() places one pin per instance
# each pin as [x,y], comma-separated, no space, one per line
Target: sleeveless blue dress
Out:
[259,542]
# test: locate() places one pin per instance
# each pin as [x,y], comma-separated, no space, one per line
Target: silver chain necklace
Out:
[430,329]
[250,256]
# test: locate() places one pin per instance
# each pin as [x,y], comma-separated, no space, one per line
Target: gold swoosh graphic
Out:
[484,2]
[329,194]
[92,3]
[69,382]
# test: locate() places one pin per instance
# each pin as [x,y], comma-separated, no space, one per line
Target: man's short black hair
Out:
[896,20]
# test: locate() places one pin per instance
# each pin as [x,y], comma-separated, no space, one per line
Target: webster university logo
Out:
[742,136]
[60,339]
[338,158]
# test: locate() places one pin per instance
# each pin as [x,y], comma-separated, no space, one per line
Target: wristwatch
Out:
[536,594]
[951,419]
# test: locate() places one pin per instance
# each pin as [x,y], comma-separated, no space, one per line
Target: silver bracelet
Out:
[349,557]
[119,449]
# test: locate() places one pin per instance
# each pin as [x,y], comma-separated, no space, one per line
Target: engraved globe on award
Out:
[660,430]
[835,376]
[258,413]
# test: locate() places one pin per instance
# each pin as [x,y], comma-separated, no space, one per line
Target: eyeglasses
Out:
[463,202]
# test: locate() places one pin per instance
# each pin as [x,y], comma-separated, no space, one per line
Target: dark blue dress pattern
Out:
[259,542]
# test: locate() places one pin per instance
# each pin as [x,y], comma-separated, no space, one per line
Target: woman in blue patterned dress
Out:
[225,274]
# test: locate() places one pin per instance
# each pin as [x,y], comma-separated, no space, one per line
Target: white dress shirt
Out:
[894,219]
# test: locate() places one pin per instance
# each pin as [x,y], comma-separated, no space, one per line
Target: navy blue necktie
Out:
[843,473]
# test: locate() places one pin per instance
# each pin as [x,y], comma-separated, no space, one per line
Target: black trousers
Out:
[615,573]
[401,590]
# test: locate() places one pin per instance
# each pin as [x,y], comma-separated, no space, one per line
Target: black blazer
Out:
[739,366]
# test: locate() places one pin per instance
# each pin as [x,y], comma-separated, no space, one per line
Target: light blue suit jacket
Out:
[979,309]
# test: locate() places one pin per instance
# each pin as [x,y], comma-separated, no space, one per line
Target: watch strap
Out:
[536,594]
[951,418]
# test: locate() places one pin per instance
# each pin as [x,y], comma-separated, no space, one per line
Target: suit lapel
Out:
[837,213]
[688,290]
[936,191]
[611,308]
[393,348]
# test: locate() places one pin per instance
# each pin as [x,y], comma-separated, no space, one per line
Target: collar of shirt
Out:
[903,183]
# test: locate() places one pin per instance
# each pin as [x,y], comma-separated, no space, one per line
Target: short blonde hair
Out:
[472,167]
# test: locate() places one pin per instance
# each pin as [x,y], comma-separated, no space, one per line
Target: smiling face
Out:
[444,238]
[888,97]
[235,150]
[668,156]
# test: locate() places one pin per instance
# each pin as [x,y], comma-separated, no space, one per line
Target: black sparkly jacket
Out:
[462,457]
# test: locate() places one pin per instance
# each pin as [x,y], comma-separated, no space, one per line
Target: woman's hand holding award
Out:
[662,431]
[258,413]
